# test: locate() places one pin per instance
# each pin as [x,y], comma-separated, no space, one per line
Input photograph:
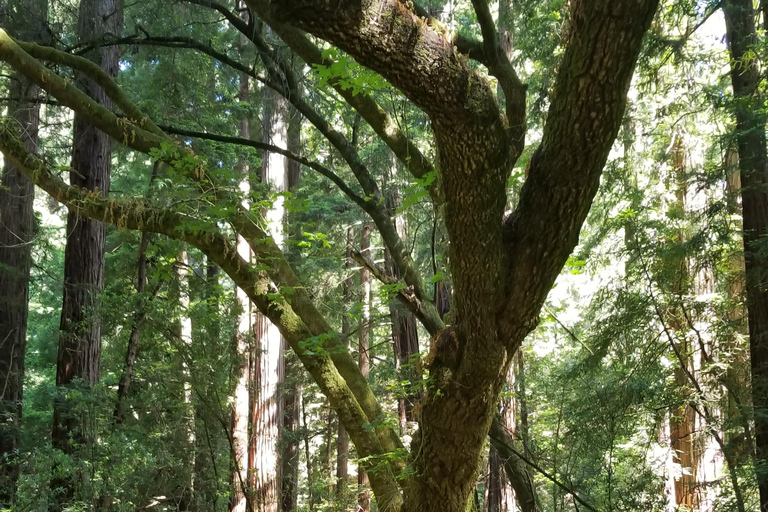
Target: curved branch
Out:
[274,149]
[499,66]
[377,118]
[95,73]
[137,214]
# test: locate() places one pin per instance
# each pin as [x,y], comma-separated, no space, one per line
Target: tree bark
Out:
[79,351]
[16,238]
[742,39]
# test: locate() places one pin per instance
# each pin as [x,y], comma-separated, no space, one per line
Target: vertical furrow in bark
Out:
[16,238]
[364,360]
[79,351]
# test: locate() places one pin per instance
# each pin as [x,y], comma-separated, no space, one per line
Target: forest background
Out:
[302,251]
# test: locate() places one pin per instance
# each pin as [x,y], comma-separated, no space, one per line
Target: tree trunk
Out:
[363,356]
[269,364]
[79,351]
[291,390]
[405,335]
[241,479]
[342,441]
[17,196]
[742,39]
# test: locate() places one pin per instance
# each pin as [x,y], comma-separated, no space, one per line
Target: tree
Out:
[501,267]
[741,35]
[17,195]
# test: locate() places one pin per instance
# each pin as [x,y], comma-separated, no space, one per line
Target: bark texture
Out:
[79,351]
[28,21]
[741,36]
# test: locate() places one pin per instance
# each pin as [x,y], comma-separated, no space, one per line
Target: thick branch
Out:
[500,67]
[139,215]
[96,74]
[588,103]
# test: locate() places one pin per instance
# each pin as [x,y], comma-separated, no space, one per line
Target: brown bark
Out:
[241,483]
[80,339]
[16,239]
[741,36]
[405,335]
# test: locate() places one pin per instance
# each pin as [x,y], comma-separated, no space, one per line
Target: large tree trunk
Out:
[79,352]
[16,234]
[753,164]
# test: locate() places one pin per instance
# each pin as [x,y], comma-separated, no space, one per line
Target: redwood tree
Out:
[28,21]
[741,35]
[501,267]
[80,332]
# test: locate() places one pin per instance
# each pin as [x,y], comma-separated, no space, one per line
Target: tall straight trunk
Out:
[737,375]
[269,358]
[207,406]
[342,440]
[17,196]
[741,36]
[291,390]
[682,421]
[240,479]
[181,329]
[79,351]
[364,357]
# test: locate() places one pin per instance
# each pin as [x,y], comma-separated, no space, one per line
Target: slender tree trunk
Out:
[269,368]
[364,357]
[682,420]
[16,238]
[742,39]
[79,352]
[138,321]
[291,390]
[241,479]
[405,335]
[342,441]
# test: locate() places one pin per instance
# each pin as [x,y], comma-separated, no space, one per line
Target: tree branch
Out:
[137,214]
[406,294]
[320,169]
